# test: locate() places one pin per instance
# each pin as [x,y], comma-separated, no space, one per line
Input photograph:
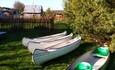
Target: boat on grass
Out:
[26,40]
[43,55]
[93,60]
[42,45]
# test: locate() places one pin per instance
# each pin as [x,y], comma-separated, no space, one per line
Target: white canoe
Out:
[42,45]
[98,63]
[44,38]
[42,55]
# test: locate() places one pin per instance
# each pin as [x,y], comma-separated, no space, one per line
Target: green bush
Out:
[93,18]
[112,45]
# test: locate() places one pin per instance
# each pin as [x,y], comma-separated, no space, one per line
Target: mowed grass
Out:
[14,56]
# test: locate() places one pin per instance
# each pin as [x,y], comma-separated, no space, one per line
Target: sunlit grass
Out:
[14,56]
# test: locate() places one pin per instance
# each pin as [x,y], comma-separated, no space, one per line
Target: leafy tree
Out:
[93,18]
[112,45]
[68,13]
[19,6]
[50,13]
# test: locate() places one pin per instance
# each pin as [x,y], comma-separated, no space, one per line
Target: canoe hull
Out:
[39,57]
[98,63]
[105,65]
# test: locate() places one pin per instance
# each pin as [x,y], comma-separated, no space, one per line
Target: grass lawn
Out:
[14,56]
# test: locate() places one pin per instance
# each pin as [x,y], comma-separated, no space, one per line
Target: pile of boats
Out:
[49,47]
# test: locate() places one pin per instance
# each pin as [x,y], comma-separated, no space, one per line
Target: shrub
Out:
[112,45]
[90,18]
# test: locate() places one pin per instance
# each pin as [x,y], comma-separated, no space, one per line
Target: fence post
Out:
[51,23]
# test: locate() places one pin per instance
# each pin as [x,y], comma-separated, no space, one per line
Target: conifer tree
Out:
[94,18]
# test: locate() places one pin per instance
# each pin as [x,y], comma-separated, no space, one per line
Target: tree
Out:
[112,45]
[93,18]
[19,6]
[50,13]
[68,13]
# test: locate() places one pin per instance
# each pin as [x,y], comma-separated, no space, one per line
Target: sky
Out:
[52,4]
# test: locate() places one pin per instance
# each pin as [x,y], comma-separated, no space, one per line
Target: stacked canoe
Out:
[49,47]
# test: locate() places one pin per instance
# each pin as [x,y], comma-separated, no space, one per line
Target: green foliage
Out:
[50,13]
[68,13]
[90,17]
[19,6]
[112,45]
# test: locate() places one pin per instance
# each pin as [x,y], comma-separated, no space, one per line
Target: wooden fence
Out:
[26,23]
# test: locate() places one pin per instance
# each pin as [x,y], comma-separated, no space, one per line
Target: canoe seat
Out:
[101,52]
[83,66]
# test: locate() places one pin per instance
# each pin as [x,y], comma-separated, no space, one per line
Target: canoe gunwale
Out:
[51,40]
[51,47]
[48,36]
[52,35]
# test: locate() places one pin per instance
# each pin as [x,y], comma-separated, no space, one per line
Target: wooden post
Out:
[51,23]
